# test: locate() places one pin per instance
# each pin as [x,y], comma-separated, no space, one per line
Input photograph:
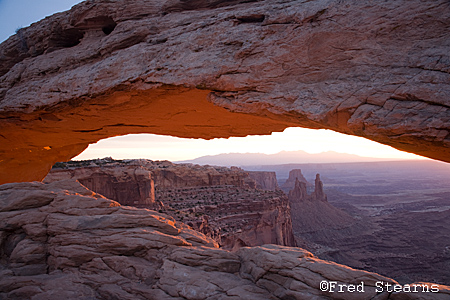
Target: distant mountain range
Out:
[283,157]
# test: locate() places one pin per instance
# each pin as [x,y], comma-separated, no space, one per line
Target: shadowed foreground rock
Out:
[62,241]
[206,69]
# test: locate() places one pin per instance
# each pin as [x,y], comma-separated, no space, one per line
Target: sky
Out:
[157,147]
[15,14]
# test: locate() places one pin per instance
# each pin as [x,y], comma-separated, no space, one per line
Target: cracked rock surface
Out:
[208,69]
[63,241]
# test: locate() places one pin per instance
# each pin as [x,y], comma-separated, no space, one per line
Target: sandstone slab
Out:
[85,256]
[206,69]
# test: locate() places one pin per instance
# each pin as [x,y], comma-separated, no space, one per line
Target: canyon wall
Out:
[226,204]
[128,185]
[264,180]
[206,69]
[232,216]
[62,241]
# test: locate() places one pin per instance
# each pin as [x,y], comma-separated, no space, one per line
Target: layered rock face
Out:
[127,184]
[208,69]
[62,241]
[169,175]
[264,180]
[226,204]
[234,217]
[223,203]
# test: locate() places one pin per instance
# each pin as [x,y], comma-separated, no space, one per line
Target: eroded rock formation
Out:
[235,217]
[62,241]
[264,180]
[127,184]
[319,194]
[294,176]
[209,69]
[312,215]
[299,192]
[223,203]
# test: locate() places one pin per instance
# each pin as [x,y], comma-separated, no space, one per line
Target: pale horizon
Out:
[312,141]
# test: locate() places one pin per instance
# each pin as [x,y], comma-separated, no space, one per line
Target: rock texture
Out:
[223,203]
[128,184]
[209,69]
[294,176]
[234,217]
[62,241]
[265,180]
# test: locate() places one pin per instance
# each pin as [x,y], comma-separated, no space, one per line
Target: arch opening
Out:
[347,202]
[309,144]
[60,132]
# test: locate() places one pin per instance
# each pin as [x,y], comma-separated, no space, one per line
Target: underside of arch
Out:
[219,69]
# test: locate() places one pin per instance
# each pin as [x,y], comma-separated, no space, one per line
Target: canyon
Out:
[61,240]
[399,210]
[226,204]
[205,69]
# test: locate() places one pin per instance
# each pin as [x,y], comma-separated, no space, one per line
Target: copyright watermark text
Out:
[380,286]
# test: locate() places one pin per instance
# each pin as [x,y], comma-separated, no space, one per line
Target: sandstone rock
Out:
[106,251]
[128,185]
[265,180]
[319,194]
[313,217]
[294,175]
[233,216]
[375,70]
[222,203]
[299,192]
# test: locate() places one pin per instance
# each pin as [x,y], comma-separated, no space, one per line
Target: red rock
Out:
[221,202]
[128,185]
[294,175]
[264,180]
[89,73]
[106,251]
[319,194]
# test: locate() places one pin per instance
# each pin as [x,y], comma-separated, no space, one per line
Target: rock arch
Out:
[206,69]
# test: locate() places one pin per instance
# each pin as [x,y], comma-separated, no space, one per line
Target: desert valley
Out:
[257,229]
[390,217]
